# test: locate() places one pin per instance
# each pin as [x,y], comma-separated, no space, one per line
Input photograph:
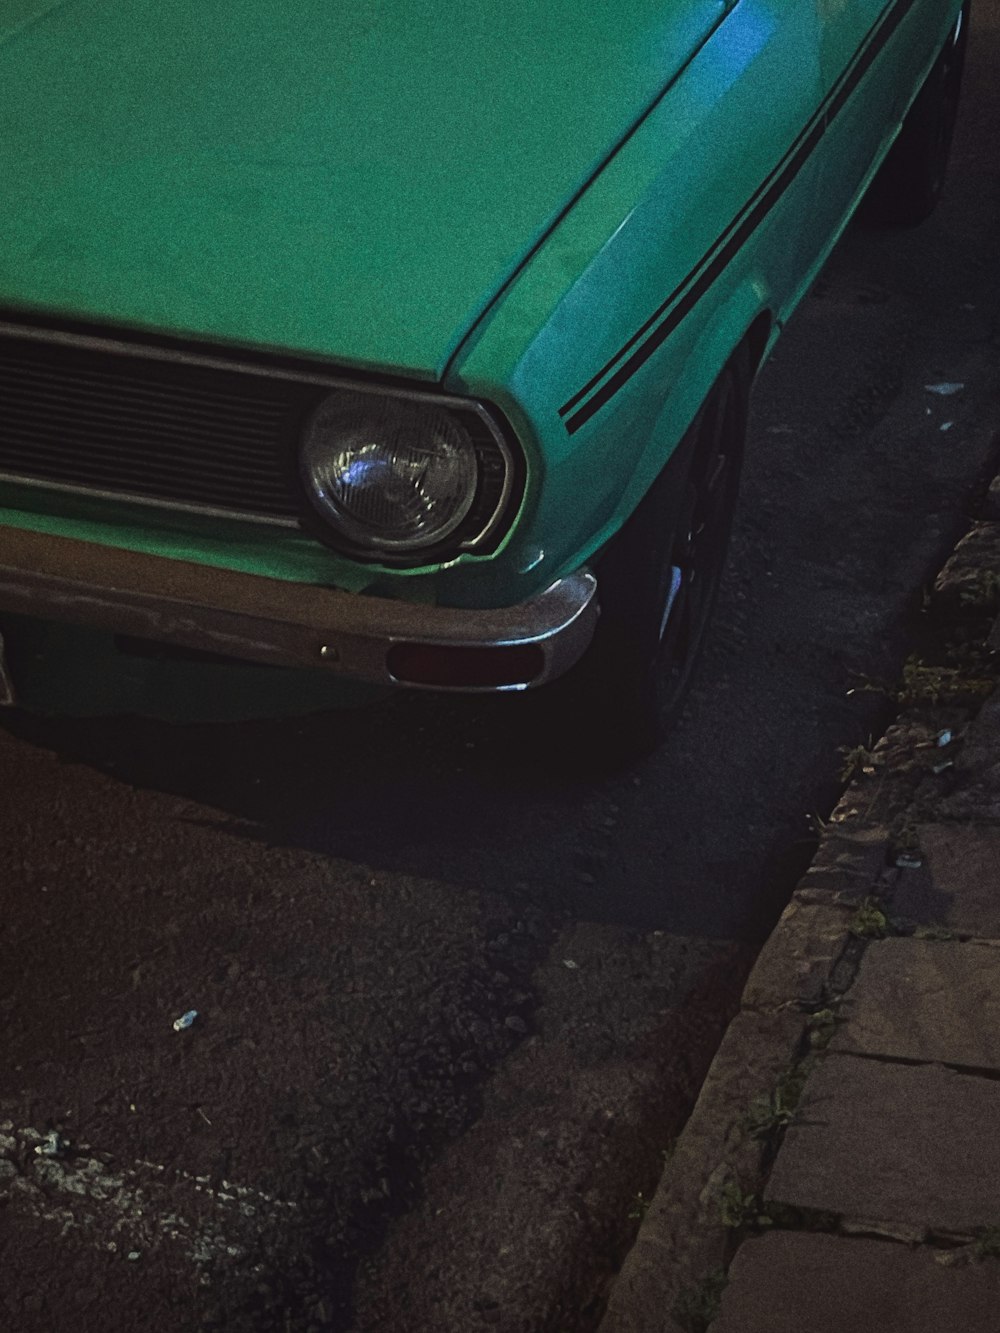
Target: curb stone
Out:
[971,577]
[705,1203]
[991,502]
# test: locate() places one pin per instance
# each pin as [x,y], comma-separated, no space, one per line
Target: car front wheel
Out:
[657,586]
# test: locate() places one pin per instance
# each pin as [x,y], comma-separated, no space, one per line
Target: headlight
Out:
[399,477]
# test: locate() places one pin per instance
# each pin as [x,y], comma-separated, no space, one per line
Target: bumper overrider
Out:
[256,619]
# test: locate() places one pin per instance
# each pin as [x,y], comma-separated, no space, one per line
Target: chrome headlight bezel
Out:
[484,521]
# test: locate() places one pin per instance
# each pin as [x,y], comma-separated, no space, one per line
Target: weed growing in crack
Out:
[791,1217]
[738,1208]
[858,760]
[870,921]
[933,683]
[768,1112]
[696,1307]
[776,1109]
[903,837]
[932,932]
[821,1026]
[985,1245]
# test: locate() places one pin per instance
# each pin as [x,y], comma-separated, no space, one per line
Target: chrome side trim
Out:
[259,619]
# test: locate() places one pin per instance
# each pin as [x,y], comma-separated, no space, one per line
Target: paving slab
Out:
[796,962]
[797,1282]
[927,1000]
[900,762]
[915,1145]
[851,858]
[977,793]
[984,732]
[958,884]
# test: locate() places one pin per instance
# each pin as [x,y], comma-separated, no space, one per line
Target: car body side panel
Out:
[871,117]
[717,135]
[643,228]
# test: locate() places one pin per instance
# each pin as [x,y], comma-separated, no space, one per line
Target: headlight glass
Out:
[389,474]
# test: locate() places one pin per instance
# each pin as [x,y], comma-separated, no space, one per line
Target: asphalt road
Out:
[455,998]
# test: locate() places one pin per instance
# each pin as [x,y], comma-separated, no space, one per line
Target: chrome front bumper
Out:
[258,619]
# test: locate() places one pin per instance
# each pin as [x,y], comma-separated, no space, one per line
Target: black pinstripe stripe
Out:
[686,295]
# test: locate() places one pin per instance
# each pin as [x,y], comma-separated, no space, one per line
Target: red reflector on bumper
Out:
[465,668]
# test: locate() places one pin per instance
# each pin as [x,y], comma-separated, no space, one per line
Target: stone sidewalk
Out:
[841,1170]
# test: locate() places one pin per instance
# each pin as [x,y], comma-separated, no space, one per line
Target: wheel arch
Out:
[746,323]
[759,338]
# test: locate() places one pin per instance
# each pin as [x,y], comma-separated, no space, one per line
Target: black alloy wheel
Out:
[657,584]
[701,539]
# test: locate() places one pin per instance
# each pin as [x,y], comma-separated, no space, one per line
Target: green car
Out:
[411,343]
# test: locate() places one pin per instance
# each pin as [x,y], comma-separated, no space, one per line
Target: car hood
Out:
[353,180]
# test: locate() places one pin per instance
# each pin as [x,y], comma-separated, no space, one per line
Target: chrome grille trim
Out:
[216,361]
[76,420]
[217,423]
[175,506]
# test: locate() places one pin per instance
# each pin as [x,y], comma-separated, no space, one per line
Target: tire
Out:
[910,182]
[657,584]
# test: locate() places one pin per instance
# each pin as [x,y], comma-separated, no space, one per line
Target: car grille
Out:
[160,431]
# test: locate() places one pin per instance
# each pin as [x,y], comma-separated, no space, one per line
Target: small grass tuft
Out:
[776,1109]
[985,1245]
[738,1208]
[870,921]
[858,760]
[768,1112]
[933,932]
[822,1025]
[931,683]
